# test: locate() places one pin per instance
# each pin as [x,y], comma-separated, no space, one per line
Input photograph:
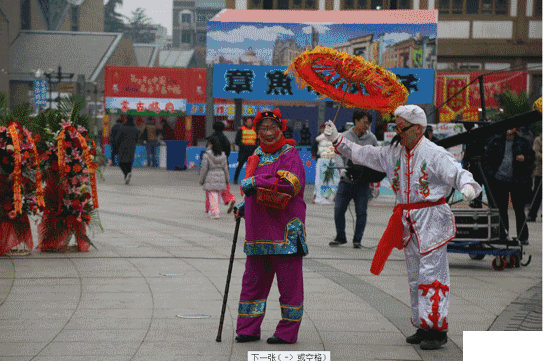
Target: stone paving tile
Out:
[100,335]
[106,323]
[46,282]
[82,358]
[363,338]
[21,348]
[339,352]
[14,313]
[30,335]
[90,348]
[183,349]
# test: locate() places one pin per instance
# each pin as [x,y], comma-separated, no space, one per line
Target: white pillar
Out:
[322,4]
[241,4]
[336,4]
[416,4]
[431,4]
[514,6]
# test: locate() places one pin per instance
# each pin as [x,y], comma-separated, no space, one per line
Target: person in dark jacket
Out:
[167,131]
[126,138]
[508,162]
[246,141]
[226,195]
[115,146]
[305,135]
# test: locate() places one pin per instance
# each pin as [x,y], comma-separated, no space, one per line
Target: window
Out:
[185,37]
[481,7]
[75,18]
[283,4]
[537,8]
[25,15]
[185,18]
[376,4]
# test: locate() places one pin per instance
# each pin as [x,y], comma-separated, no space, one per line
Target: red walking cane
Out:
[228,276]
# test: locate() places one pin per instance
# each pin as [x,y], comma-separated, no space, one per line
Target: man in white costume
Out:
[422,174]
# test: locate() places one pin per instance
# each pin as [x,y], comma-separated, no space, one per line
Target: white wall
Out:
[492,29]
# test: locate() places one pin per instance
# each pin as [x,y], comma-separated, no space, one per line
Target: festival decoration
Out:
[537,105]
[21,192]
[70,192]
[348,79]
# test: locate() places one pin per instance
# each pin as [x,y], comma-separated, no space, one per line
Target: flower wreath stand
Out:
[70,202]
[13,231]
[21,191]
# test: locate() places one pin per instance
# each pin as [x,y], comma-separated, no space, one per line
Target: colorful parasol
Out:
[348,79]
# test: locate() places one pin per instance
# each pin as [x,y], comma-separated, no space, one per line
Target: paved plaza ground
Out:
[160,256]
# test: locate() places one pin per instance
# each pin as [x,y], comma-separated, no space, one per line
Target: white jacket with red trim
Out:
[426,173]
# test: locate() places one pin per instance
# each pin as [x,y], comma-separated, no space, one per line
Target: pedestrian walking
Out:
[536,193]
[275,238]
[352,184]
[126,139]
[113,134]
[422,174]
[227,196]
[508,162]
[150,139]
[246,142]
[214,174]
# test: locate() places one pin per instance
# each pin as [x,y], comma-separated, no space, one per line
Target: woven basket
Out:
[271,197]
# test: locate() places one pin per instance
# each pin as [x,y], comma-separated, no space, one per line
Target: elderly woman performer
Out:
[274,236]
[422,174]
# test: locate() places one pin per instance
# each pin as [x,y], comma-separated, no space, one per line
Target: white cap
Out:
[412,113]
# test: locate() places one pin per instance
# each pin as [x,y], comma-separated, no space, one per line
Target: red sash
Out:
[392,238]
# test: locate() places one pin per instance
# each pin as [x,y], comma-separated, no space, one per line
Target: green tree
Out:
[513,104]
[114,22]
[140,26]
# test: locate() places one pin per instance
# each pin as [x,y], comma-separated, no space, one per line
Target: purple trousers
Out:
[255,288]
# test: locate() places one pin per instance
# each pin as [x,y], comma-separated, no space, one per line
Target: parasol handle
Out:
[341,103]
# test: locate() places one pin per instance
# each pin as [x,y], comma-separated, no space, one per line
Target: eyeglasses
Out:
[402,130]
[268,129]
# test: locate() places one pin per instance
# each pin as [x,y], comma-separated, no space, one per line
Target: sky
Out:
[158,10]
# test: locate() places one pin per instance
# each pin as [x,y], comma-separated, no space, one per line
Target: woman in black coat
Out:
[508,162]
[126,140]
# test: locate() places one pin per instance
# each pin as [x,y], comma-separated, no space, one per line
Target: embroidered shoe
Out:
[274,340]
[338,241]
[246,338]
[418,337]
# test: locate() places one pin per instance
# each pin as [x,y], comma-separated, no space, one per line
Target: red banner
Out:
[147,82]
[468,101]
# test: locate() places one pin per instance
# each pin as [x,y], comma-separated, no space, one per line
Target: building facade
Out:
[190,23]
[43,15]
[474,35]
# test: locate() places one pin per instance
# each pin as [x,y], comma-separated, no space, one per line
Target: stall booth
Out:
[160,94]
[254,67]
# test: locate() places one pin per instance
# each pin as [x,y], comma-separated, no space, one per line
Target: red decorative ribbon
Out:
[39,186]
[17,178]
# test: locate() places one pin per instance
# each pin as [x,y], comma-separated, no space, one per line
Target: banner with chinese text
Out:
[149,82]
[225,109]
[146,106]
[466,104]
[267,82]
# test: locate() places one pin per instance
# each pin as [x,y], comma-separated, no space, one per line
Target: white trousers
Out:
[429,282]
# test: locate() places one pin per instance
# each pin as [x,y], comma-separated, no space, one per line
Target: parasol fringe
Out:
[361,70]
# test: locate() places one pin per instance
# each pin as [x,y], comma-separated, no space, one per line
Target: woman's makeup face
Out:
[269,131]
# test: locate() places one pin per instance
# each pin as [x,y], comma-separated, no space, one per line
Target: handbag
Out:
[271,197]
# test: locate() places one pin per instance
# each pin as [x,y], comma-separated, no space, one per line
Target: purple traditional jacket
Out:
[269,230]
